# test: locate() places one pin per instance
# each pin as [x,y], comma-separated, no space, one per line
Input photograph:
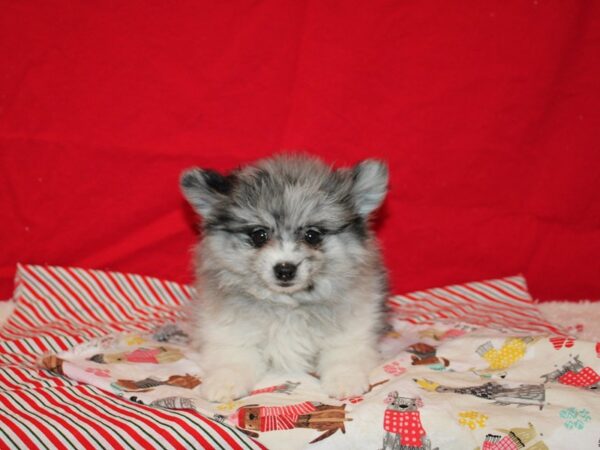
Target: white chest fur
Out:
[291,340]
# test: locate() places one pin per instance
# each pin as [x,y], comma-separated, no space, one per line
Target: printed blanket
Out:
[473,366]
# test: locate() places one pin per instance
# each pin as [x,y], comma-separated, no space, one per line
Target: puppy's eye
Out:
[313,236]
[259,236]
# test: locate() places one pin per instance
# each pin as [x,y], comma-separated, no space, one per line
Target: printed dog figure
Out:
[317,416]
[425,354]
[522,395]
[402,425]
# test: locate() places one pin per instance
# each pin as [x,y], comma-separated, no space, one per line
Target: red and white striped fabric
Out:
[503,303]
[58,308]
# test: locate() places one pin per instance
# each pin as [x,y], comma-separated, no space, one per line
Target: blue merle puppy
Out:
[289,275]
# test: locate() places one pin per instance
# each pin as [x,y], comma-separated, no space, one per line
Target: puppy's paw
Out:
[345,381]
[225,384]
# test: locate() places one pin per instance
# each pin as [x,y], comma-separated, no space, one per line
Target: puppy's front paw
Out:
[225,384]
[345,381]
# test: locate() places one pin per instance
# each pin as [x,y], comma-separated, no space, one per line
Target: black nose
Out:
[285,271]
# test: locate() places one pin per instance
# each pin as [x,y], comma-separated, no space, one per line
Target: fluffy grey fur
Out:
[325,316]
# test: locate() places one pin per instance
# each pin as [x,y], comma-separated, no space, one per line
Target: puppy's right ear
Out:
[204,188]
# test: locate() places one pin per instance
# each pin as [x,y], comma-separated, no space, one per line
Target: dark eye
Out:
[313,236]
[259,236]
[252,416]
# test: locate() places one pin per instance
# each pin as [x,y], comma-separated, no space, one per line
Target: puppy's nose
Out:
[285,271]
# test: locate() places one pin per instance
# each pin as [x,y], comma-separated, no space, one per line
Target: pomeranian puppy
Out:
[289,275]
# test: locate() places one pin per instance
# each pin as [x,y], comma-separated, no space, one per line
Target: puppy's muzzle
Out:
[285,271]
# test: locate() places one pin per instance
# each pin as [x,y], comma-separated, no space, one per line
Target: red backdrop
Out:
[488,113]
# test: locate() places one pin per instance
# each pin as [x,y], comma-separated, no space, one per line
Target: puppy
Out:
[289,275]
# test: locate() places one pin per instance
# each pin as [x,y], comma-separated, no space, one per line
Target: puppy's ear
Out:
[370,182]
[204,188]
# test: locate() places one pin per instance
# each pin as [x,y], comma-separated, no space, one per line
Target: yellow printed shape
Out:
[472,419]
[134,339]
[229,406]
[426,384]
[512,351]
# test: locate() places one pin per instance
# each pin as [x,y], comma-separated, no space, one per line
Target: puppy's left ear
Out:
[370,183]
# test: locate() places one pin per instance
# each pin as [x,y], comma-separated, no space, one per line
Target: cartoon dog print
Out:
[512,350]
[574,373]
[522,395]
[402,425]
[285,388]
[147,384]
[152,355]
[252,419]
[513,439]
[425,354]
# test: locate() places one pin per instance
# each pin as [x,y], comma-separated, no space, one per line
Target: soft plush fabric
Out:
[473,364]
[582,318]
[486,111]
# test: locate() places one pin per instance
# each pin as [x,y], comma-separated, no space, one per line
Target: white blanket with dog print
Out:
[443,385]
[467,366]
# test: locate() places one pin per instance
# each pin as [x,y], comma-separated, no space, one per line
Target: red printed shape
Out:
[560,341]
[394,368]
[584,378]
[407,424]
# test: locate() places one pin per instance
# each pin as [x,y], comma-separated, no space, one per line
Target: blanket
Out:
[473,366]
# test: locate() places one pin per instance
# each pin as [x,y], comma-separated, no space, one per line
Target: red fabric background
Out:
[488,113]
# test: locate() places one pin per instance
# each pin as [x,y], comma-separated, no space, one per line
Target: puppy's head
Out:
[287,226]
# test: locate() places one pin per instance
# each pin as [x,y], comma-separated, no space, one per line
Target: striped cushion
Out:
[58,308]
[503,304]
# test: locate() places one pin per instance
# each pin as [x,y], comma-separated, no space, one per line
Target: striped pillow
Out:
[502,304]
[58,308]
